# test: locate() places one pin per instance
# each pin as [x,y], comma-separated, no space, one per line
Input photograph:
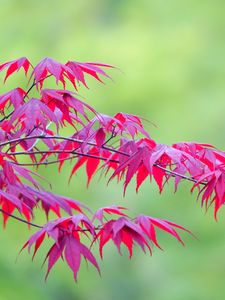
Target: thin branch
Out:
[39,226]
[30,88]
[7,116]
[45,163]
[61,151]
[110,138]
[20,219]
[173,173]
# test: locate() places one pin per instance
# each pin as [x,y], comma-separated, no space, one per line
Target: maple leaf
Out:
[131,123]
[14,97]
[31,114]
[148,225]
[113,209]
[65,100]
[93,69]
[120,124]
[121,231]
[213,190]
[74,249]
[15,65]
[66,235]
[71,71]
[49,66]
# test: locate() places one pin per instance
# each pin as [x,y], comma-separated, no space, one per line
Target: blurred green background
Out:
[171,54]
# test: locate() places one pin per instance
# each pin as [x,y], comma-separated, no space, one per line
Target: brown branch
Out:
[45,163]
[7,116]
[20,219]
[173,173]
[63,151]
[39,226]
[44,137]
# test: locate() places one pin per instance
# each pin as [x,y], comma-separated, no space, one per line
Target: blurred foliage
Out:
[171,57]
